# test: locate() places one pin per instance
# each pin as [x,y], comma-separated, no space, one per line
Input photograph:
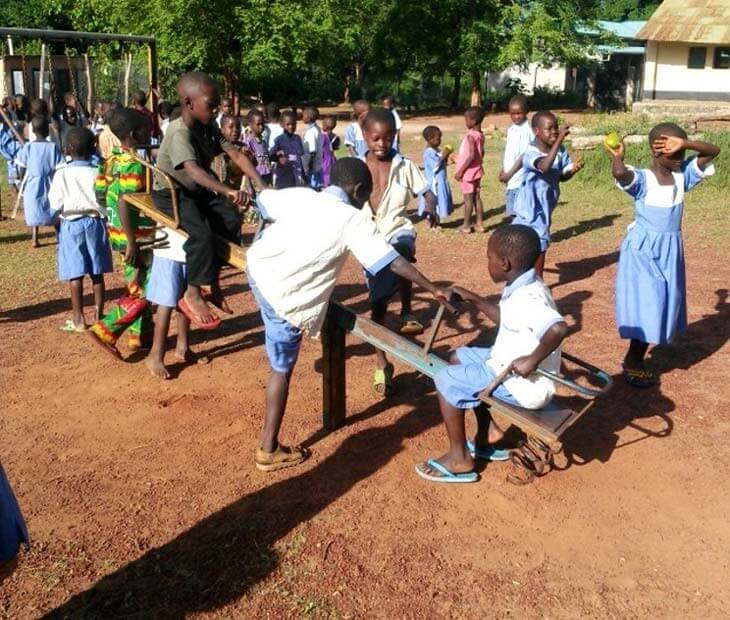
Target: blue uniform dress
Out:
[540,192]
[9,149]
[40,159]
[434,171]
[651,302]
[12,527]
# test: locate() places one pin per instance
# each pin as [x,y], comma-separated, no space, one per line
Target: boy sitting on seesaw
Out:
[186,154]
[530,333]
[293,281]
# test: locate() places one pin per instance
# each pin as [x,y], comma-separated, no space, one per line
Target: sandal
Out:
[383,380]
[410,325]
[187,311]
[281,458]
[640,378]
[70,326]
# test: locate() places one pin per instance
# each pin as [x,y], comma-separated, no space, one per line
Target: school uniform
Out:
[271,132]
[291,173]
[526,312]
[293,281]
[354,138]
[40,159]
[519,137]
[540,192]
[168,275]
[651,301]
[83,242]
[434,171]
[13,531]
[9,149]
[313,155]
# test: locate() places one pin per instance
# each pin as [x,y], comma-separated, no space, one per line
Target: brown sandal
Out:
[280,458]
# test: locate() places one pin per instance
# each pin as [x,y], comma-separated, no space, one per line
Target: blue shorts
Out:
[460,384]
[384,284]
[83,248]
[509,200]
[282,339]
[168,281]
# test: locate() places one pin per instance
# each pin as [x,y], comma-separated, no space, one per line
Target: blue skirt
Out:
[83,248]
[442,190]
[13,532]
[168,281]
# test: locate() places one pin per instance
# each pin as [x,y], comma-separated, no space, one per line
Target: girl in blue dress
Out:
[434,171]
[13,532]
[39,160]
[651,303]
[545,164]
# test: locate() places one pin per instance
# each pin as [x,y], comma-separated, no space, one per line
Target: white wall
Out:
[666,72]
[535,75]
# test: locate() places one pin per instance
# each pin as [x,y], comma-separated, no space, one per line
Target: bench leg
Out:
[333,375]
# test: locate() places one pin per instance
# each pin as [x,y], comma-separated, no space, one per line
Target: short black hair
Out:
[311,111]
[38,106]
[349,172]
[164,108]
[327,119]
[139,97]
[381,116]
[538,116]
[666,129]
[272,111]
[80,143]
[226,100]
[193,81]
[475,112]
[430,131]
[126,121]
[288,114]
[227,118]
[519,243]
[39,123]
[254,113]
[520,100]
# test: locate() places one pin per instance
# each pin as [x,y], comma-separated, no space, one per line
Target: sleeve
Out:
[430,165]
[310,141]
[274,147]
[531,157]
[637,187]
[367,245]
[131,177]
[566,163]
[414,179]
[55,193]
[693,174]
[510,151]
[350,135]
[181,149]
[398,122]
[22,157]
[335,142]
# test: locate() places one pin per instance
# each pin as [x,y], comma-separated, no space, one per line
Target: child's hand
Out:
[564,132]
[503,178]
[524,366]
[238,198]
[444,296]
[616,152]
[281,157]
[458,176]
[578,164]
[668,145]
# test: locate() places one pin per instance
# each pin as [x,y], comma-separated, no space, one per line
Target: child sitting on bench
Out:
[186,154]
[530,333]
[293,281]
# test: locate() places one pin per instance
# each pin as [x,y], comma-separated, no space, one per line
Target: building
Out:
[688,51]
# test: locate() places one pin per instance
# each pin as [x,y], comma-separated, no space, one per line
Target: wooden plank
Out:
[334,386]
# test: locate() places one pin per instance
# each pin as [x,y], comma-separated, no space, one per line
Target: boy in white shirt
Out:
[530,333]
[519,137]
[389,104]
[292,270]
[312,158]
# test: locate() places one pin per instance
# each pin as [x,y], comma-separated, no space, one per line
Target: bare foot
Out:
[214,295]
[495,433]
[157,368]
[190,357]
[199,309]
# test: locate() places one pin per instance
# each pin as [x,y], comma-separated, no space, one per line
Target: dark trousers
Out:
[202,215]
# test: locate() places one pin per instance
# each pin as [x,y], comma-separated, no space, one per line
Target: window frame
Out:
[704,57]
[715,54]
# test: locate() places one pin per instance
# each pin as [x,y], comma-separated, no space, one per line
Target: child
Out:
[227,172]
[395,181]
[530,333]
[293,281]
[166,287]
[273,125]
[287,150]
[545,163]
[139,103]
[255,142]
[470,169]
[39,160]
[164,110]
[225,109]
[330,143]
[354,140]
[389,104]
[186,154]
[83,243]
[69,120]
[107,140]
[651,303]
[312,159]
[13,531]
[128,230]
[10,146]
[434,168]
[519,137]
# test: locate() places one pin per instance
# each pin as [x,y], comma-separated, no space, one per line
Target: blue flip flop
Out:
[447,476]
[487,454]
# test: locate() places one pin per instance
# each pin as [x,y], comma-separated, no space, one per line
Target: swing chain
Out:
[52,79]
[71,76]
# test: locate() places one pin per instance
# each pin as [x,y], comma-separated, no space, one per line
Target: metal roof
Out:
[689,21]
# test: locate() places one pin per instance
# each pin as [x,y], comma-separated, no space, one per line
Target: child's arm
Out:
[464,160]
[506,175]
[525,366]
[619,170]
[132,252]
[706,152]
[401,267]
[577,166]
[488,308]
[201,177]
[545,163]
[246,166]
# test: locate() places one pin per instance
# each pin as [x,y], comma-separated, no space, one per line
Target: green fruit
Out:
[612,140]
[448,147]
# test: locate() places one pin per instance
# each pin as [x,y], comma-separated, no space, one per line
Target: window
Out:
[697,56]
[722,58]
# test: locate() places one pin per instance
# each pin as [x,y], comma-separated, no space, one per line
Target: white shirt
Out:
[296,259]
[398,126]
[313,145]
[72,194]
[275,130]
[174,250]
[519,138]
[526,312]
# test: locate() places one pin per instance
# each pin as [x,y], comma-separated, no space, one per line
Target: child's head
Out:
[21,103]
[69,115]
[226,106]
[80,143]
[38,107]
[360,110]
[39,123]
[473,116]
[379,130]
[353,176]
[518,109]
[545,127]
[329,123]
[199,98]
[388,102]
[231,128]
[511,251]
[130,126]
[432,136]
[139,98]
[255,121]
[164,109]
[310,114]
[671,162]
[272,112]
[289,122]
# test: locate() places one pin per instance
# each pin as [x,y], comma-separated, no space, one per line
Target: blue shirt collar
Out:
[523,280]
[338,192]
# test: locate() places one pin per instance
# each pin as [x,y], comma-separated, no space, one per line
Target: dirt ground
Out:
[142,500]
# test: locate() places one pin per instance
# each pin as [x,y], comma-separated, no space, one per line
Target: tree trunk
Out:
[476,89]
[456,91]
[359,70]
